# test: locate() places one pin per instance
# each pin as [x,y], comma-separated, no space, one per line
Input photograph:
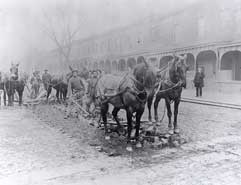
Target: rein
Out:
[164,69]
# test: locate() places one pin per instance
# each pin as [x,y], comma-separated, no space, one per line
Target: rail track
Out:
[211,103]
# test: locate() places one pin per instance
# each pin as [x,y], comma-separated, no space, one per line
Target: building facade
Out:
[208,32]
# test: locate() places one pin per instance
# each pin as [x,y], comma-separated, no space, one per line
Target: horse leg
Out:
[4,97]
[9,99]
[138,122]
[49,90]
[20,96]
[156,103]
[114,114]
[176,105]
[169,114]
[149,104]
[104,110]
[129,129]
[57,95]
[64,93]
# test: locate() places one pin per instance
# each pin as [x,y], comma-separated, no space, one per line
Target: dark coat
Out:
[91,91]
[199,79]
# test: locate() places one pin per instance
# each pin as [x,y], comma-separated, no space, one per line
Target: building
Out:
[208,32]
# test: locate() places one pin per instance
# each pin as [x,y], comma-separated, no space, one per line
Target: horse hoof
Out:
[176,131]
[138,145]
[170,131]
[129,149]
[107,137]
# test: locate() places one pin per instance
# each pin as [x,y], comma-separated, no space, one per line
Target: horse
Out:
[129,93]
[14,83]
[170,88]
[60,86]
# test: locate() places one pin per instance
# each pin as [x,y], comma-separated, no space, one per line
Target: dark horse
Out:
[13,83]
[170,88]
[60,86]
[129,93]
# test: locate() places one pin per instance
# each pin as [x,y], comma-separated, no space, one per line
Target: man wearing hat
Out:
[76,86]
[46,78]
[199,81]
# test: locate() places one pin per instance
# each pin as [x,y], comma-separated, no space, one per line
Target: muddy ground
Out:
[197,123]
[39,145]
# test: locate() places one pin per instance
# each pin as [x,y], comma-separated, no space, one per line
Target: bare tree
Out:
[61,27]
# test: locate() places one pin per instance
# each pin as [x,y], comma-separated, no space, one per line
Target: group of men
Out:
[76,86]
[36,80]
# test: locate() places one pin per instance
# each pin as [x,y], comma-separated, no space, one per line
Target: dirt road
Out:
[41,147]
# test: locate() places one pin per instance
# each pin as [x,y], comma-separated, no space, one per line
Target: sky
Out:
[21,22]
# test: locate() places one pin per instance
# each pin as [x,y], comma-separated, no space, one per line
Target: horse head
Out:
[178,70]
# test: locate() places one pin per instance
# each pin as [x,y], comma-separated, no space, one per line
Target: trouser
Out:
[198,91]
[35,90]
[46,86]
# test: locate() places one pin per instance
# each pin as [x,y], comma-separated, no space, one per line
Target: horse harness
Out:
[136,92]
[167,81]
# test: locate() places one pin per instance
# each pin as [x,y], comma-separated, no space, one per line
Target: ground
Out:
[39,146]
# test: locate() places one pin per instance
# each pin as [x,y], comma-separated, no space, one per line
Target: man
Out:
[199,81]
[76,86]
[46,78]
[91,91]
[35,83]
